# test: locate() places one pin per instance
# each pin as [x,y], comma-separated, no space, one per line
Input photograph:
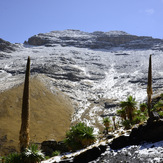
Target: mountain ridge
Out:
[94,40]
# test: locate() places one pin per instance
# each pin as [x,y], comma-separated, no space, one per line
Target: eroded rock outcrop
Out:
[147,132]
[95,40]
[6,46]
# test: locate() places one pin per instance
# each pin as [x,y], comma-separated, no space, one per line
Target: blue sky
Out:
[21,19]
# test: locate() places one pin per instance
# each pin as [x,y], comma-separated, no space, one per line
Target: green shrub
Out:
[126,124]
[143,107]
[13,158]
[160,114]
[32,154]
[79,136]
[159,105]
[122,113]
[106,122]
[56,153]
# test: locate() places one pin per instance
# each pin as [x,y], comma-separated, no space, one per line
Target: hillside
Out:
[50,115]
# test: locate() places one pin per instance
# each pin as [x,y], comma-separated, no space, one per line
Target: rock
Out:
[88,155]
[35,40]
[109,105]
[120,142]
[48,147]
[148,132]
[6,46]
[95,40]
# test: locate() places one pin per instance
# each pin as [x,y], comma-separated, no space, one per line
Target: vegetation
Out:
[13,157]
[24,131]
[130,114]
[149,86]
[143,107]
[159,106]
[128,107]
[106,122]
[56,153]
[79,136]
[30,155]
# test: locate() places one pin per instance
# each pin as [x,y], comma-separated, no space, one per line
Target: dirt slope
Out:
[50,115]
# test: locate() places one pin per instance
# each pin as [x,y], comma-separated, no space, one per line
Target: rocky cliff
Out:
[6,46]
[95,40]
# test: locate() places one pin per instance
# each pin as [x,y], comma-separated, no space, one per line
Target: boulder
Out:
[148,132]
[120,142]
[88,155]
[34,40]
[48,147]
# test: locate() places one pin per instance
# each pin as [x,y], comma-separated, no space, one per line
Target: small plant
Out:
[126,124]
[32,154]
[143,107]
[106,122]
[159,105]
[161,95]
[56,153]
[160,114]
[79,136]
[129,106]
[122,113]
[13,158]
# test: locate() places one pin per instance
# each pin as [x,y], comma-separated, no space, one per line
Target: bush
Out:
[160,114]
[106,122]
[32,155]
[56,153]
[126,124]
[143,107]
[13,158]
[79,136]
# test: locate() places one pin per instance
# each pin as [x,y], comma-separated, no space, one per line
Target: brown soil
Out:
[50,115]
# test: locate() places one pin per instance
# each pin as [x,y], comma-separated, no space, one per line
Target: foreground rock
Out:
[148,132]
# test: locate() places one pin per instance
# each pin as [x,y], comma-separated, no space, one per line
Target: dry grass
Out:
[49,119]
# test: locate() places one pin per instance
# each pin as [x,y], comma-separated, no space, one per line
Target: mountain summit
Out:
[95,40]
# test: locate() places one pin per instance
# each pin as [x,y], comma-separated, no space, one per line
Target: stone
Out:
[88,155]
[34,40]
[120,142]
[148,132]
[48,147]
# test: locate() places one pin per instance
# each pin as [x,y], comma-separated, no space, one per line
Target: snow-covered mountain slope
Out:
[95,79]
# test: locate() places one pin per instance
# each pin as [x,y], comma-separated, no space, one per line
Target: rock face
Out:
[6,46]
[149,132]
[95,40]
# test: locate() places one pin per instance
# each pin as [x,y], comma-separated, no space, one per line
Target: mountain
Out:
[95,40]
[6,46]
[95,70]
